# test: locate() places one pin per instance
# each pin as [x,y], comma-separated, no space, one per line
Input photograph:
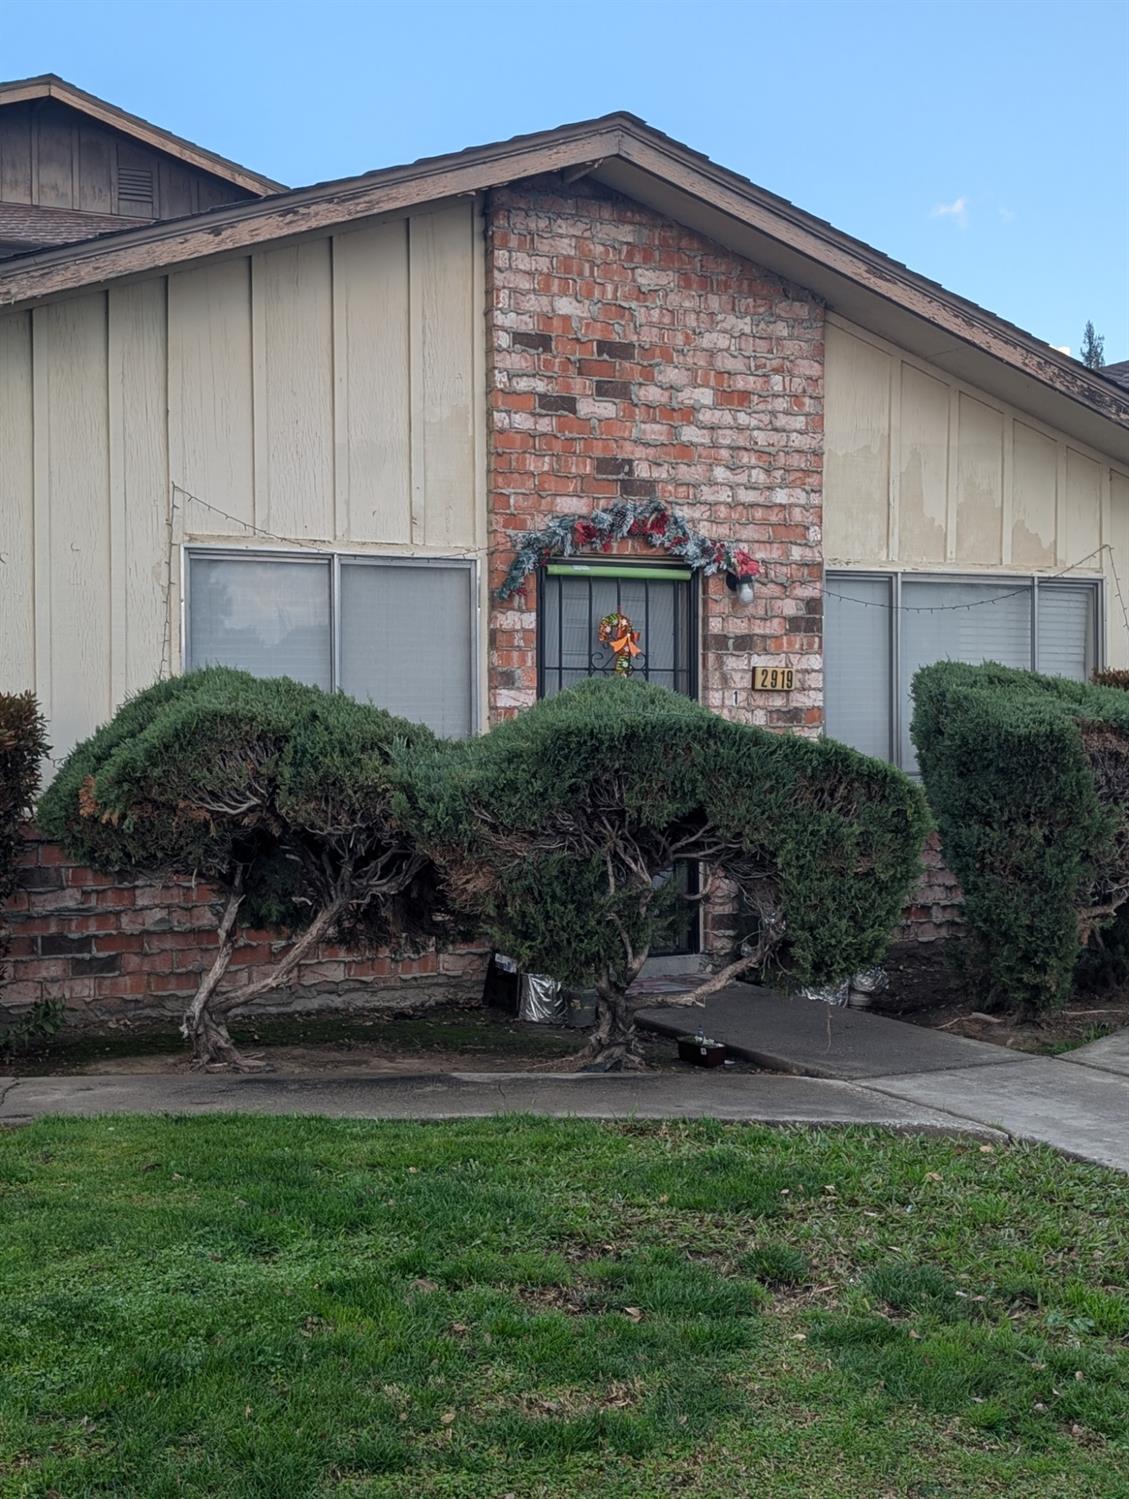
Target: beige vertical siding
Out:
[292,314]
[72,513]
[442,322]
[211,412]
[925,472]
[17,492]
[326,391]
[372,371]
[141,617]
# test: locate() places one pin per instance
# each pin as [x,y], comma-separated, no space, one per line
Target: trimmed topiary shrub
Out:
[1029,779]
[278,794]
[558,827]
[23,746]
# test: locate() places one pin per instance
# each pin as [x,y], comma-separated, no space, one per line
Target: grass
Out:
[230,1306]
[1095,1032]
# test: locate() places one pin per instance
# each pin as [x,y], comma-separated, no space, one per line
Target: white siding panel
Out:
[443,408]
[1034,497]
[329,393]
[143,572]
[980,482]
[210,394]
[858,448]
[372,383]
[72,516]
[1082,513]
[293,340]
[17,533]
[1117,572]
[924,457]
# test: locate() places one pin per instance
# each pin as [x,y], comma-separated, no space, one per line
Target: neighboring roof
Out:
[627,155]
[1118,373]
[31,226]
[51,86]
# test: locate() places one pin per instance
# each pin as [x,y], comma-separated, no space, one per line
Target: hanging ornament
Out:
[617,634]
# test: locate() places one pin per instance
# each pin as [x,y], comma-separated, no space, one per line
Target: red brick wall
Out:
[110,950]
[628,358]
[934,912]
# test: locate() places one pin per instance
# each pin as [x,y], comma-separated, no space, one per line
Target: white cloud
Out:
[1061,348]
[957,210]
[1007,215]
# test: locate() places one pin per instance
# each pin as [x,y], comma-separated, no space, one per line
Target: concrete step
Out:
[792,1034]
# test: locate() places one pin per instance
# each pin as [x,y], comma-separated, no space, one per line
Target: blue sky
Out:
[985,144]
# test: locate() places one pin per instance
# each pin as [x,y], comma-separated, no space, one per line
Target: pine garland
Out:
[658,524]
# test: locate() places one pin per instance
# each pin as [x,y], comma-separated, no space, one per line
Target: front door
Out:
[661,603]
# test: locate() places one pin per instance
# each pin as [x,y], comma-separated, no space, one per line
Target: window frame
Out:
[1093,582]
[620,566]
[334,558]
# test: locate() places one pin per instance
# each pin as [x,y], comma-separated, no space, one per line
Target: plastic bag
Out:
[829,994]
[542,1000]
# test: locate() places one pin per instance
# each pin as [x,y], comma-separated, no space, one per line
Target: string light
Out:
[176,493]
[295,541]
[979,603]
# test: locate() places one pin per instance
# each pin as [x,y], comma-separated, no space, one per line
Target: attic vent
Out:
[135,185]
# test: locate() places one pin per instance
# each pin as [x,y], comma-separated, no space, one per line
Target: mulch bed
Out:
[930,986]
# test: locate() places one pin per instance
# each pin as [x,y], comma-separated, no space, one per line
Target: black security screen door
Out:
[660,603]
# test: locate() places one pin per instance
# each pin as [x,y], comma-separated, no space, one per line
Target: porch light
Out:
[742,586]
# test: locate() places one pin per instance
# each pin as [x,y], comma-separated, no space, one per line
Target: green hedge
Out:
[23,744]
[218,767]
[516,815]
[1029,779]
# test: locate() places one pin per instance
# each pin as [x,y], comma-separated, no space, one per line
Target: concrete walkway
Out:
[1078,1103]
[831,1066]
[1110,1054]
[749,1097]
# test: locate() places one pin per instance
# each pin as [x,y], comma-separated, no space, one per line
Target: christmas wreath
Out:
[617,634]
[650,520]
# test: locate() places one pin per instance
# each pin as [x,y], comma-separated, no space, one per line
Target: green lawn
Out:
[289,1307]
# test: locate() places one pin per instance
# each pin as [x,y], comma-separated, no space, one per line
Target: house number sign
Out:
[773,679]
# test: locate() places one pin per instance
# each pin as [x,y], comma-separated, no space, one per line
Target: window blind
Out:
[990,631]
[860,643]
[1066,645]
[268,616]
[857,665]
[406,641]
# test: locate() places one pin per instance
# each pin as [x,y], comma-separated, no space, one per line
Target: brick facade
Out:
[629,357]
[109,949]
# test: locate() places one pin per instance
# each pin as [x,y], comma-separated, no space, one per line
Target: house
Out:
[303,432]
[73,166]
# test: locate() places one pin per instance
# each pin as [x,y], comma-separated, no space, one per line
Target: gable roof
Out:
[625,153]
[51,86]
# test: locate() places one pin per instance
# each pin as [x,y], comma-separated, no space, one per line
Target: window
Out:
[880,629]
[399,633]
[658,600]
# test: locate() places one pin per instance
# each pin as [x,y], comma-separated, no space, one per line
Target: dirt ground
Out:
[928,986]
[446,1039]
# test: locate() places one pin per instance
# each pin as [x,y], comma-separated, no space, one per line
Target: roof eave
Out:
[622,150]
